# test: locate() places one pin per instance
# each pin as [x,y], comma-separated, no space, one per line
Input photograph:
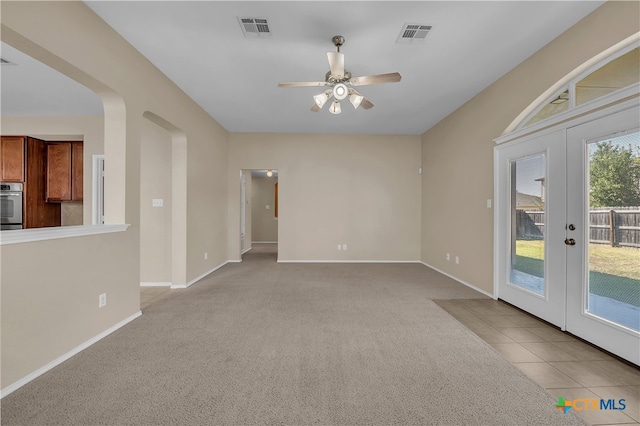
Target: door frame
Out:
[525,135]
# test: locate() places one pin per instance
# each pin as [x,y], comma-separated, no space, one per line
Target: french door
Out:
[603,279]
[530,220]
[556,250]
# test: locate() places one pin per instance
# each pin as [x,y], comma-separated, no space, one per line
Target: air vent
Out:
[413,33]
[255,27]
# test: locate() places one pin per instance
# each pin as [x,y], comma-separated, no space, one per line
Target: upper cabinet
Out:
[77,171]
[64,171]
[12,159]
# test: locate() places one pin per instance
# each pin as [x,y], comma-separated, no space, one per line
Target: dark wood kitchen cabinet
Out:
[12,159]
[77,171]
[64,171]
[37,212]
[22,159]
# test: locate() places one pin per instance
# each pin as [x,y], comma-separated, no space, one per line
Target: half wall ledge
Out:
[41,234]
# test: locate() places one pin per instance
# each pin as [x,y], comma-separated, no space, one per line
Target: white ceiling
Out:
[201,47]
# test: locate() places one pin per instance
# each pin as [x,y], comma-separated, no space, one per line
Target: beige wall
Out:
[359,190]
[50,295]
[457,153]
[155,222]
[87,128]
[52,308]
[264,224]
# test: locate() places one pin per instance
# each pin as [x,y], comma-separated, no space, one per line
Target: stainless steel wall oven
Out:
[10,206]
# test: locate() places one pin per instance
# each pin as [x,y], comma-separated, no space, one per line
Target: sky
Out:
[529,169]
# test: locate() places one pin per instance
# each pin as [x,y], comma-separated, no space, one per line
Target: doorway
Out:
[259,210]
[562,253]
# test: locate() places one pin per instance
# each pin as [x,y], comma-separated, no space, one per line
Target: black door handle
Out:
[570,241]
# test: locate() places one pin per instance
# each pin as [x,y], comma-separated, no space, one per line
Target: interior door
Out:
[603,230]
[529,223]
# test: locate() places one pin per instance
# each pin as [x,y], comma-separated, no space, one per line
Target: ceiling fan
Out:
[341,83]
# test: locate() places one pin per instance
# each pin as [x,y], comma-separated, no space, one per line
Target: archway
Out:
[177,180]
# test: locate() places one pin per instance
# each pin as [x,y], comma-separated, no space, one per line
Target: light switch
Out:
[157,202]
[267,207]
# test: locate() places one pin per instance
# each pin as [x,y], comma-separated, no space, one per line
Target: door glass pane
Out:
[527,223]
[614,230]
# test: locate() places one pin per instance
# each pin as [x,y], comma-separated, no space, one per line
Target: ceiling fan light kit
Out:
[340,91]
[335,108]
[322,98]
[355,99]
[340,80]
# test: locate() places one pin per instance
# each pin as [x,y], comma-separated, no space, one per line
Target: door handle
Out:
[570,241]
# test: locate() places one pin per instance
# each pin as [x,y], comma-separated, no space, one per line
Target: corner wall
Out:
[79,269]
[358,190]
[457,153]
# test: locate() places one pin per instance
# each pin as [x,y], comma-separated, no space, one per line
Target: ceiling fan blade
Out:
[303,84]
[391,77]
[366,104]
[315,108]
[336,63]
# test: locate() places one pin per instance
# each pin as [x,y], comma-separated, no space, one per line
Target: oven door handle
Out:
[11,194]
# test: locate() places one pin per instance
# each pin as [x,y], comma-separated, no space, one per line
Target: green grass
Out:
[614,271]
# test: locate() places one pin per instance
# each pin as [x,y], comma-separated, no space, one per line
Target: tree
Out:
[615,176]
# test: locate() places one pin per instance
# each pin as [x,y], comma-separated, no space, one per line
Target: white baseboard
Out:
[195,280]
[40,371]
[155,284]
[246,250]
[486,293]
[348,261]
[264,242]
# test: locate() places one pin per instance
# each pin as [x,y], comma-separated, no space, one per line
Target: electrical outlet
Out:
[488,203]
[206,255]
[457,260]
[448,257]
[344,247]
[102,300]
[339,246]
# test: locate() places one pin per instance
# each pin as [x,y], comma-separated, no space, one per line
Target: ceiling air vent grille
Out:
[255,27]
[413,33]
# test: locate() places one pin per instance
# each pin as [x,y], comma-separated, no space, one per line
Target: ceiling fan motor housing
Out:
[331,79]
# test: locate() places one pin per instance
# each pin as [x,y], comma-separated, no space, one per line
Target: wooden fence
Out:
[619,226]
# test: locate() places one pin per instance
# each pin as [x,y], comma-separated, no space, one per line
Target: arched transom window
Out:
[616,73]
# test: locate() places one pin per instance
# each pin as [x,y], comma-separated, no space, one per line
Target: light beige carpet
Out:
[267,343]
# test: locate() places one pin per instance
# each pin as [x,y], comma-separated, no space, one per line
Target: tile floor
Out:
[150,295]
[559,362]
[562,364]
